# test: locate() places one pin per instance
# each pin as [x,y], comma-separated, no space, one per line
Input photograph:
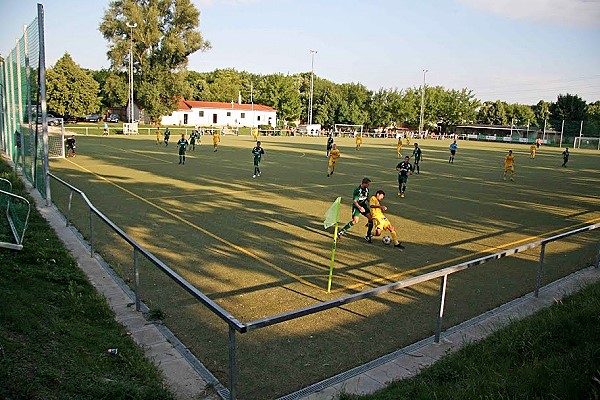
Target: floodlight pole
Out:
[422,104]
[312,68]
[131,26]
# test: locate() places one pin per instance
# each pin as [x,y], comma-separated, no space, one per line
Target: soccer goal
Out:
[56,141]
[348,129]
[587,142]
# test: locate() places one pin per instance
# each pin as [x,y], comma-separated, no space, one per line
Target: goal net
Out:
[586,142]
[56,141]
[348,129]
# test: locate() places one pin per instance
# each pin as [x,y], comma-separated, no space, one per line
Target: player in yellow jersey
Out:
[358,140]
[379,219]
[216,139]
[158,135]
[509,165]
[399,147]
[334,155]
[407,139]
[532,150]
[255,134]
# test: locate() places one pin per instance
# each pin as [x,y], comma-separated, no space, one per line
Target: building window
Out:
[229,113]
[201,113]
[258,118]
[185,119]
[243,115]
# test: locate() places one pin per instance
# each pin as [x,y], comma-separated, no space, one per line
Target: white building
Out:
[212,113]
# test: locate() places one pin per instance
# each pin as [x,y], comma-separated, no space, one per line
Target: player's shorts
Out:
[453,152]
[509,168]
[402,179]
[356,212]
[256,161]
[381,223]
[182,152]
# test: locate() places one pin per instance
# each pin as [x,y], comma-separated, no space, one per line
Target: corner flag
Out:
[331,219]
[331,216]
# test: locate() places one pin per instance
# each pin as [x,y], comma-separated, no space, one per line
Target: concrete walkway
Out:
[407,362]
[188,378]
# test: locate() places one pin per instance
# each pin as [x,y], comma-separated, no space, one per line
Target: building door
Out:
[185,119]
[214,118]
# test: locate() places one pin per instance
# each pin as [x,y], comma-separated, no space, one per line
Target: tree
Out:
[282,93]
[520,114]
[493,113]
[114,89]
[163,39]
[70,90]
[569,107]
[542,112]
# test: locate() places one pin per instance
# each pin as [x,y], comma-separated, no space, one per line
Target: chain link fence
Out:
[22,105]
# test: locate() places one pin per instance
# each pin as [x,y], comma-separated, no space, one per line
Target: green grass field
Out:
[258,247]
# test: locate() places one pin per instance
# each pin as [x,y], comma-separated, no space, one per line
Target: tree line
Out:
[161,36]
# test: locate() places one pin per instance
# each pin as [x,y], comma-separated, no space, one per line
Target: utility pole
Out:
[422,104]
[131,26]
[310,101]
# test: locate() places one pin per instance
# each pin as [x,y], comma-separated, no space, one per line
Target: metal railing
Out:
[236,326]
[17,224]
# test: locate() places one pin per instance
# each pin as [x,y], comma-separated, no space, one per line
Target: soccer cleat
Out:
[258,174]
[254,176]
[399,245]
[368,239]
[340,234]
[327,174]
[401,194]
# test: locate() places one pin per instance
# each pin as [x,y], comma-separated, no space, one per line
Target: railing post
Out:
[91,233]
[440,317]
[136,276]
[69,208]
[538,280]
[232,364]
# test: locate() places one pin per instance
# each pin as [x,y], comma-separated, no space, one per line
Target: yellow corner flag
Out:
[331,216]
[331,219]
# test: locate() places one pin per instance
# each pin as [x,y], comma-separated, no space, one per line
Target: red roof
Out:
[187,105]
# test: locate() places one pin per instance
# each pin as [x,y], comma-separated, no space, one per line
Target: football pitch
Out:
[257,246]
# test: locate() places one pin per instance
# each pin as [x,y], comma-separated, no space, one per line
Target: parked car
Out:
[113,118]
[93,118]
[52,119]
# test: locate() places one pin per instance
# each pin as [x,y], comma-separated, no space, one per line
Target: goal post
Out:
[56,140]
[587,142]
[346,129]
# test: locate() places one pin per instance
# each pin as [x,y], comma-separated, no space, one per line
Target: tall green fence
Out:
[22,105]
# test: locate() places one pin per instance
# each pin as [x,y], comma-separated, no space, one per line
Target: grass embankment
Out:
[55,328]
[554,354]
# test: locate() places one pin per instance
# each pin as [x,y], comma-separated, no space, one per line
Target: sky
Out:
[518,51]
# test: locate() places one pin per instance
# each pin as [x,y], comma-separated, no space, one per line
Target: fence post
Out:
[538,280]
[438,325]
[136,275]
[232,364]
[91,233]
[69,208]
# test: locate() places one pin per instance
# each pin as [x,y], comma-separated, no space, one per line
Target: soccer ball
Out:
[387,240]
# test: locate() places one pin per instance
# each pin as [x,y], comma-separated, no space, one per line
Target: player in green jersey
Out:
[418,156]
[360,205]
[182,145]
[257,152]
